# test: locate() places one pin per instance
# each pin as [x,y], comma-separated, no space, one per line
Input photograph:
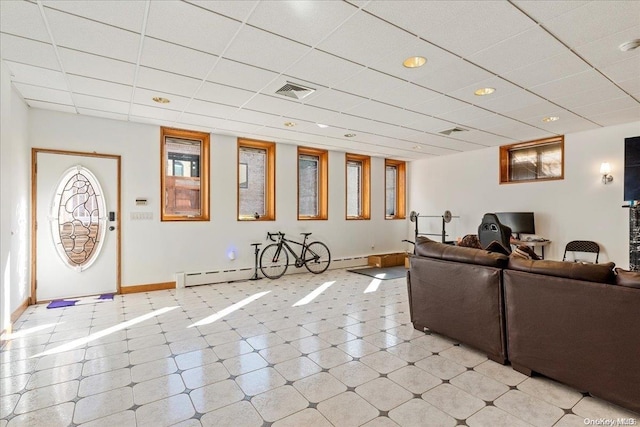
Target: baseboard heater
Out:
[196,278]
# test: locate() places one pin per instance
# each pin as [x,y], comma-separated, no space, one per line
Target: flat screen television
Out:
[519,222]
[632,169]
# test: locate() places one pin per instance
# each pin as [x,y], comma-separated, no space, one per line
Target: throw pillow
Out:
[526,252]
[628,278]
[470,241]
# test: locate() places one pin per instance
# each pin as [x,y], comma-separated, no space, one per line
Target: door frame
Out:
[34,191]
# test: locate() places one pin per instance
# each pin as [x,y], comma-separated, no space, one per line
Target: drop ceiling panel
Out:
[589,97]
[407,95]
[335,100]
[624,70]
[97,38]
[384,113]
[176,59]
[210,109]
[51,106]
[518,99]
[103,114]
[97,67]
[202,121]
[632,86]
[543,11]
[324,69]
[576,83]
[465,115]
[484,138]
[235,9]
[585,24]
[262,49]
[39,93]
[145,97]
[454,143]
[161,115]
[604,51]
[101,104]
[365,39]
[292,19]
[553,68]
[128,15]
[603,107]
[22,18]
[369,84]
[520,132]
[37,76]
[448,23]
[438,106]
[453,76]
[313,114]
[523,49]
[568,123]
[188,25]
[538,110]
[430,124]
[240,75]
[152,79]
[490,121]
[213,92]
[259,118]
[29,52]
[233,126]
[618,117]
[502,87]
[99,88]
[271,104]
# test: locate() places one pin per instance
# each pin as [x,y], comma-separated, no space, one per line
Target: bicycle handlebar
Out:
[270,235]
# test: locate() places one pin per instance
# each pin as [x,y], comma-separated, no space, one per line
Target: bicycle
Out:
[274,260]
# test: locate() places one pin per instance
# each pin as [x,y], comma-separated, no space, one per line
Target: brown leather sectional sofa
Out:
[578,324]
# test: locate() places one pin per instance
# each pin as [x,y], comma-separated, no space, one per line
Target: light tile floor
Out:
[347,358]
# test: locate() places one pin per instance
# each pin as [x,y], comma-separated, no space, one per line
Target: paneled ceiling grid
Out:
[223,65]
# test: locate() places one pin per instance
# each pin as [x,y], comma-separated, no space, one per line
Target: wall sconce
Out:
[605,170]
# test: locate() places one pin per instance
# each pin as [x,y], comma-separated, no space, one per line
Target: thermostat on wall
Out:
[141,201]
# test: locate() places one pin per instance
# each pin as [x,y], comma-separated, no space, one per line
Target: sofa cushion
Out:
[628,278]
[428,248]
[600,273]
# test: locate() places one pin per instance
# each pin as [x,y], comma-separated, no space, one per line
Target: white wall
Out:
[153,251]
[14,200]
[579,207]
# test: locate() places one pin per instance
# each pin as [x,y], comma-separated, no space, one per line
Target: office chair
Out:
[581,246]
[491,229]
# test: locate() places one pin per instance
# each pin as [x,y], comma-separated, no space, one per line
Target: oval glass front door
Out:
[78,218]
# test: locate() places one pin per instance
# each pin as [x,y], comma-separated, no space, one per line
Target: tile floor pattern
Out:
[347,358]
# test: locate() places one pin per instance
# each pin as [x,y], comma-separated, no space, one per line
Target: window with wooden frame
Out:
[312,183]
[256,180]
[395,189]
[541,160]
[358,181]
[184,177]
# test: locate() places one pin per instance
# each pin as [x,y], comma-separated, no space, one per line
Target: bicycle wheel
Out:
[274,261]
[317,257]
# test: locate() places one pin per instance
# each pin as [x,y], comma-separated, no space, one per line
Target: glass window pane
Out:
[538,162]
[252,171]
[308,168]
[354,189]
[182,180]
[391,185]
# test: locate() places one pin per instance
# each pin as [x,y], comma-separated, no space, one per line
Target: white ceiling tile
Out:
[145,97]
[27,51]
[103,114]
[454,143]
[576,83]
[259,118]
[369,84]
[439,106]
[452,76]
[624,70]
[271,104]
[484,138]
[96,38]
[589,96]
[291,19]
[152,79]
[123,14]
[520,131]
[385,113]
[335,100]
[464,27]
[617,117]
[594,20]
[161,115]
[236,74]
[430,124]
[198,29]
[604,51]
[221,94]
[609,105]
[568,123]
[199,120]
[632,86]
[406,95]
[96,67]
[502,87]
[536,111]
[262,49]
[51,106]
[230,125]
[99,88]
[210,109]
[518,99]
[176,59]
[365,39]
[324,69]
[231,8]
[553,68]
[314,115]
[39,93]
[101,104]
[465,115]
[37,76]
[490,121]
[22,18]
[528,47]
[151,120]
[543,11]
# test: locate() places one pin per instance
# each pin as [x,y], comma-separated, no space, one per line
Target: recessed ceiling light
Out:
[161,100]
[289,124]
[484,91]
[414,61]
[320,125]
[630,45]
[550,119]
[349,135]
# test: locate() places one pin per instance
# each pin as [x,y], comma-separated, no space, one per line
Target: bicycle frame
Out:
[284,242]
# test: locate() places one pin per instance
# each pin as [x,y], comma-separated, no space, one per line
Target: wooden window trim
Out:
[365,191]
[504,159]
[270,178]
[401,188]
[204,138]
[323,177]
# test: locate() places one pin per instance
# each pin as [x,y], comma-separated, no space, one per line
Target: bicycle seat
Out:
[305,234]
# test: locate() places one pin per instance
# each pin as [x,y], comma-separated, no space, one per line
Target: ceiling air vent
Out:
[452,130]
[295,91]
